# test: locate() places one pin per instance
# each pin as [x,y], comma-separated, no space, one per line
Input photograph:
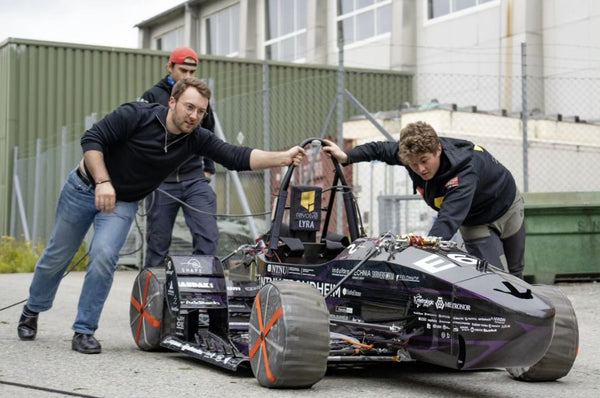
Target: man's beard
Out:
[183,126]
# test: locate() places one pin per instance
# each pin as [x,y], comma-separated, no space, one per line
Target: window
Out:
[222,32]
[364,19]
[170,40]
[285,30]
[438,8]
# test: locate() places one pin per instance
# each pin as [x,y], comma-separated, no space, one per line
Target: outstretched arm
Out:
[260,159]
[335,151]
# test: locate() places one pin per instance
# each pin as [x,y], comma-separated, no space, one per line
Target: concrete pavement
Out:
[47,367]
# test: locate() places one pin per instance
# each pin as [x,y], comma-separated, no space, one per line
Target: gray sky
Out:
[100,22]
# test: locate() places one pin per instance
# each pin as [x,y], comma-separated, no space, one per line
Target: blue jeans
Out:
[75,213]
[162,211]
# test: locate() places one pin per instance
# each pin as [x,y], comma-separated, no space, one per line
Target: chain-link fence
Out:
[550,142]
[557,151]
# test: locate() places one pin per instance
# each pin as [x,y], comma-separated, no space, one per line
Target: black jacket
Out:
[195,166]
[132,139]
[470,188]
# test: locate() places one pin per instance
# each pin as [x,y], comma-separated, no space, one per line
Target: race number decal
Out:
[433,264]
[462,258]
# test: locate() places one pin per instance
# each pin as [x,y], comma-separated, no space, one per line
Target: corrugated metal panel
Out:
[46,87]
[6,67]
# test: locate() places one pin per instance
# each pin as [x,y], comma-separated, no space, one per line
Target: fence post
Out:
[340,114]
[13,205]
[63,156]
[524,113]
[237,183]
[19,197]
[266,138]
[36,189]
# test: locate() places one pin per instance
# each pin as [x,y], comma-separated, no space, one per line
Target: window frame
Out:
[159,40]
[357,11]
[480,5]
[232,29]
[298,35]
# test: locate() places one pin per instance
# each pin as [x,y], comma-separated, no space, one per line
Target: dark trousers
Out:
[162,211]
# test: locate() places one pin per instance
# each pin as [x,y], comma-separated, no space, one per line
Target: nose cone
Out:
[520,326]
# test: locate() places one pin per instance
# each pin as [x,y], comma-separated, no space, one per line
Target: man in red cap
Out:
[188,186]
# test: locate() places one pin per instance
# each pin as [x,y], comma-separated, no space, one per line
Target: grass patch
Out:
[21,256]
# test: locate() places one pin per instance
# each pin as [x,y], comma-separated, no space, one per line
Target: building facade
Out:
[467,52]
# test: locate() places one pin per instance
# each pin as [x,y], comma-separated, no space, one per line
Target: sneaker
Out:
[85,343]
[27,328]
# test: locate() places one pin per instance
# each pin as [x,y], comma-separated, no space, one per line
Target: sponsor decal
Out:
[440,304]
[323,287]
[180,322]
[196,285]
[340,317]
[421,301]
[364,273]
[199,301]
[283,270]
[478,326]
[407,278]
[344,310]
[305,206]
[193,265]
[307,200]
[351,292]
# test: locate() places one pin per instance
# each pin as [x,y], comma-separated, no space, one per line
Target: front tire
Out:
[289,335]
[147,308]
[560,356]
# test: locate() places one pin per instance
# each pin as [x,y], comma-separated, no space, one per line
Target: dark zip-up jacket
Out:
[196,165]
[470,188]
[132,140]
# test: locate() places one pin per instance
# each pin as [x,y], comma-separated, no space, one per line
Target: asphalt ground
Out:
[47,367]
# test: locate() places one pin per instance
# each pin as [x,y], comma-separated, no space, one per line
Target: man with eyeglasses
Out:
[126,156]
[187,187]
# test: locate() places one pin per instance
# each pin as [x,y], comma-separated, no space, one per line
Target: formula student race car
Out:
[303,297]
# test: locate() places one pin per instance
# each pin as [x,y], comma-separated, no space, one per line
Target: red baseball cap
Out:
[179,55]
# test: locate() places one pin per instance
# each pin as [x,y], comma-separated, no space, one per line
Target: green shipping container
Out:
[562,236]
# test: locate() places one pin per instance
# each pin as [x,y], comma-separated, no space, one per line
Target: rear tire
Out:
[294,320]
[560,356]
[147,307]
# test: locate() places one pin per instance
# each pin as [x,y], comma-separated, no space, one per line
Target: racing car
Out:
[302,297]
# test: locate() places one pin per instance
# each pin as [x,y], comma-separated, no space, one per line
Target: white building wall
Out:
[470,57]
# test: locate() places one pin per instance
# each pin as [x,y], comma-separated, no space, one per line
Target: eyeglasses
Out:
[191,109]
